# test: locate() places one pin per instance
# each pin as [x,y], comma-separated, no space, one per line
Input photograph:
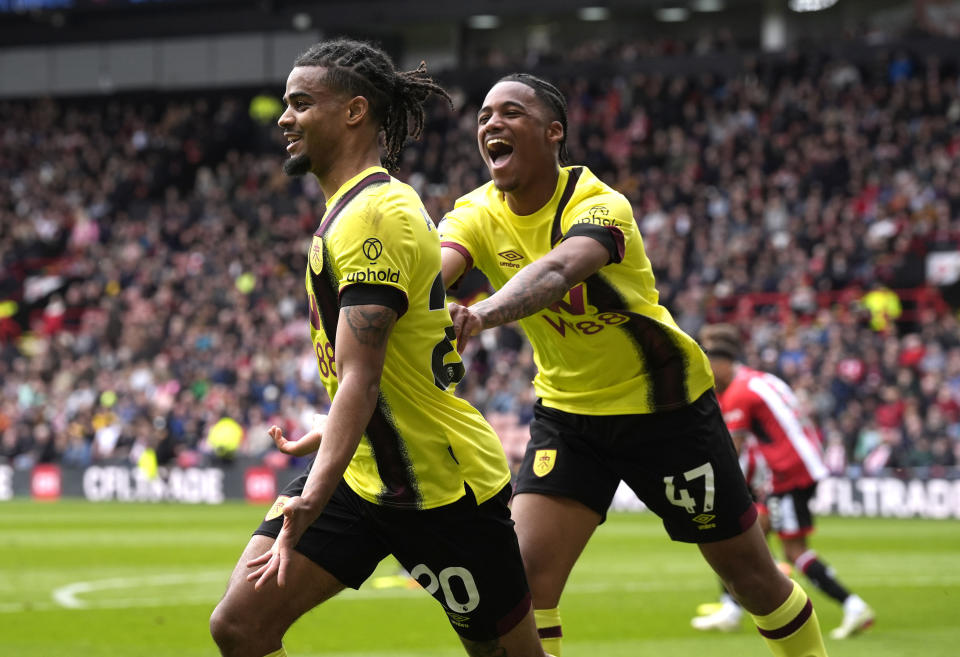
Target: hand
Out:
[304,445]
[466,323]
[275,561]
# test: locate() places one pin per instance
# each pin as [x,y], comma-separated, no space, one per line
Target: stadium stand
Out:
[153,251]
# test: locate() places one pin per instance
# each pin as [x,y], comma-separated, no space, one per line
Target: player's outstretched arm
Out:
[362,336]
[306,444]
[533,288]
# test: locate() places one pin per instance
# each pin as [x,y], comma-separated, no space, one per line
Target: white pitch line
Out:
[67,597]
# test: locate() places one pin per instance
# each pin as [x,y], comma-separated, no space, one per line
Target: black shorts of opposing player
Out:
[464,554]
[681,464]
[790,514]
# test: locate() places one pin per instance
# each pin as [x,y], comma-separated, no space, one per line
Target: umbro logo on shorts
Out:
[703,521]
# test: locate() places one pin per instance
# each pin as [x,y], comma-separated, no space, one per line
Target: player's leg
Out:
[727,614]
[251,623]
[780,608]
[808,562]
[694,483]
[339,549]
[521,641]
[467,557]
[761,588]
[562,494]
[794,522]
[552,532]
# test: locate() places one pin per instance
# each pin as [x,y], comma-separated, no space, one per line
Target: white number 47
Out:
[680,496]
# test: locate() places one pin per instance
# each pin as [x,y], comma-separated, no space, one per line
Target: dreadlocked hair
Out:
[552,99]
[396,97]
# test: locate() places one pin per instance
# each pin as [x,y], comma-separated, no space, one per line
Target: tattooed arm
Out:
[362,334]
[533,288]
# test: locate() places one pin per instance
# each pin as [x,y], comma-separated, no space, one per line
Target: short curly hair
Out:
[722,340]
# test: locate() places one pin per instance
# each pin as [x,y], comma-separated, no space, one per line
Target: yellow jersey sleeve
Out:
[375,246]
[607,218]
[458,229]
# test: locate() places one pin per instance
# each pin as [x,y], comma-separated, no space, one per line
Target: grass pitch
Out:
[81,579]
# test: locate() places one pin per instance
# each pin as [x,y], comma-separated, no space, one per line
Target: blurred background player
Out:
[763,414]
[403,467]
[624,394]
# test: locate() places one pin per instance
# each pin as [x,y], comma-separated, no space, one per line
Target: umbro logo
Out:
[510,258]
[704,521]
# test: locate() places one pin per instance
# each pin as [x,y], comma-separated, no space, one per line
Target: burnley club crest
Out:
[316,255]
[543,461]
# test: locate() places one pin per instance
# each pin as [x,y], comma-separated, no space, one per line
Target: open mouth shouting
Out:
[499,151]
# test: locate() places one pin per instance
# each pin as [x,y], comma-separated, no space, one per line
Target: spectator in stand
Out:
[802,171]
[884,307]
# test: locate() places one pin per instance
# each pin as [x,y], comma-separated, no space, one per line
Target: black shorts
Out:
[464,554]
[681,464]
[790,514]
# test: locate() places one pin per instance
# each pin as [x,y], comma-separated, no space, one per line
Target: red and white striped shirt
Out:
[766,407]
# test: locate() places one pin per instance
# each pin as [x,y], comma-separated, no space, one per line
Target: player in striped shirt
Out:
[760,408]
[624,394]
[403,466]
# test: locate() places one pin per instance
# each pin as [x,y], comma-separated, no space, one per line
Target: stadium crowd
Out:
[153,255]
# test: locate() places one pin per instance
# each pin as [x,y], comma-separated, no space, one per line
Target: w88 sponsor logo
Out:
[575,304]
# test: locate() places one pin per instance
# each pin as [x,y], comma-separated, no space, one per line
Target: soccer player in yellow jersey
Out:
[403,466]
[623,393]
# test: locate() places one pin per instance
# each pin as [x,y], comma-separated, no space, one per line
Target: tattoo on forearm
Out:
[526,293]
[484,648]
[371,327]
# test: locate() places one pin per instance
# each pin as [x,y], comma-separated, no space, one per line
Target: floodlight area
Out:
[811,5]
[592,14]
[706,6]
[483,22]
[672,14]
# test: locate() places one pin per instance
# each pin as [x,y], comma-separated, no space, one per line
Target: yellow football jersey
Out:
[376,244]
[608,347]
